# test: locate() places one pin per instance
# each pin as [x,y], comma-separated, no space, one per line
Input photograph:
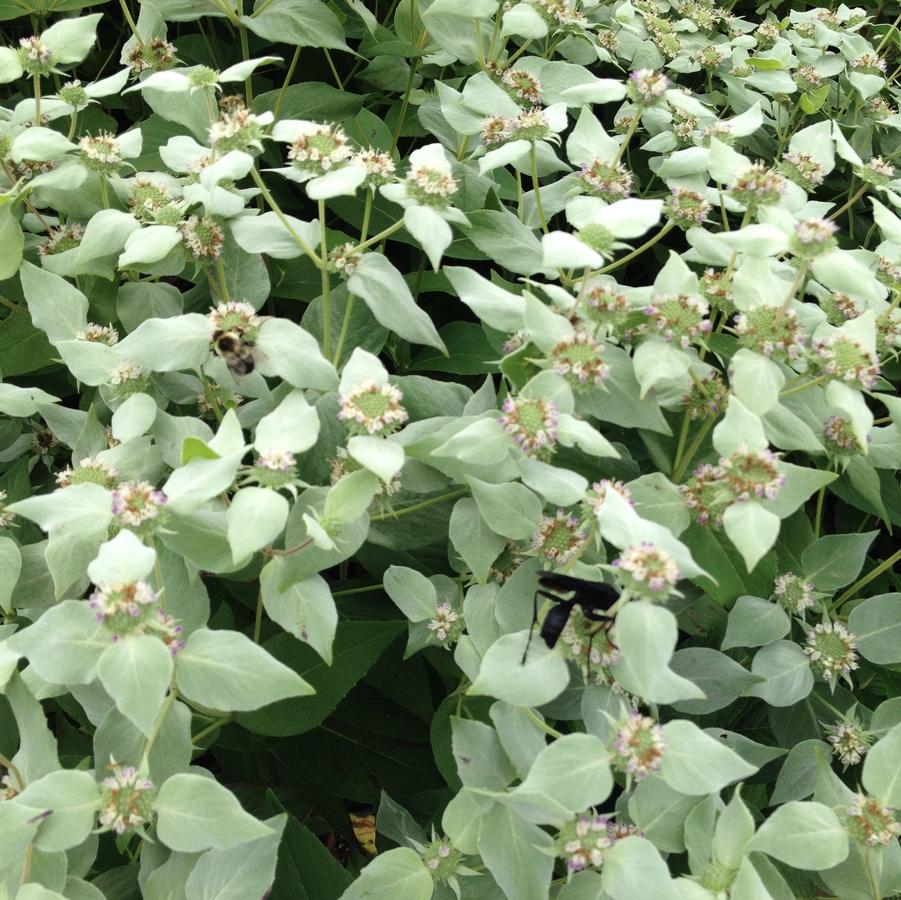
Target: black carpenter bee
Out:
[235,350]
[594,598]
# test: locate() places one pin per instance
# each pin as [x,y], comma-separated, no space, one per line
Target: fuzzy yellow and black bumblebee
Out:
[236,350]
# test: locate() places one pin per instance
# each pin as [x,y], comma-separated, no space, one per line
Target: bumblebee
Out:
[237,352]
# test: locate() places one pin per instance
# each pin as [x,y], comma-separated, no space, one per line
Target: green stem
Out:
[161,715]
[326,286]
[331,65]
[638,250]
[291,550]
[376,238]
[866,579]
[73,121]
[818,518]
[803,387]
[404,105]
[212,727]
[9,766]
[627,137]
[104,193]
[359,590]
[396,514]
[283,219]
[533,162]
[798,282]
[853,199]
[288,76]
[245,53]
[871,878]
[210,104]
[693,448]
[223,280]
[680,446]
[538,722]
[519,210]
[258,619]
[37,99]
[367,214]
[131,23]
[342,334]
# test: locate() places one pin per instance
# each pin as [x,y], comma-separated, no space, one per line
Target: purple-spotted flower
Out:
[446,625]
[559,538]
[579,359]
[595,497]
[608,180]
[138,505]
[752,474]
[637,748]
[89,470]
[849,741]
[532,423]
[647,571]
[372,408]
[680,318]
[126,801]
[871,823]
[770,331]
[705,495]
[846,359]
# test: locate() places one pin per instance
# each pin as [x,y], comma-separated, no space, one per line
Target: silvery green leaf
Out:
[191,485]
[196,813]
[503,674]
[657,363]
[561,250]
[756,380]
[123,559]
[853,406]
[474,540]
[685,745]
[876,623]
[243,70]
[71,39]
[74,798]
[818,142]
[601,90]
[430,230]
[804,835]
[226,670]
[755,240]
[56,307]
[39,143]
[739,428]
[64,644]
[724,163]
[379,455]
[646,637]
[10,67]
[524,21]
[338,182]
[134,417]
[303,608]
[293,425]
[149,245]
[841,271]
[511,510]
[287,351]
[752,528]
[135,672]
[557,485]
[754,622]
[633,868]
[505,155]
[577,432]
[104,236]
[86,507]
[386,294]
[787,672]
[268,234]
[396,873]
[256,517]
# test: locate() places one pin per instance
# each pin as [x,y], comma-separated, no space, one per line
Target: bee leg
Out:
[538,593]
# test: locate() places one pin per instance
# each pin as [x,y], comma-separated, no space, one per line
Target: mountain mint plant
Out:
[326,326]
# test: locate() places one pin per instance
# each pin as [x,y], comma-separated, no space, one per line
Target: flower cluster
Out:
[588,643]
[35,57]
[237,128]
[647,571]
[832,650]
[840,438]
[770,331]
[559,538]
[442,859]
[446,625]
[101,153]
[581,842]
[610,181]
[594,499]
[846,359]
[156,53]
[752,473]
[803,170]
[151,202]
[637,747]
[793,593]
[138,505]
[758,186]
[131,609]
[371,408]
[431,183]
[870,822]
[706,397]
[128,378]
[89,470]
[645,86]
[532,423]
[813,237]
[203,236]
[680,318]
[687,208]
[126,802]
[379,166]
[6,517]
[59,240]
[849,742]
[606,307]
[236,316]
[318,148]
[579,360]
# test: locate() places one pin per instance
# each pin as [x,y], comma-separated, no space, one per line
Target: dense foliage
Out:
[326,326]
